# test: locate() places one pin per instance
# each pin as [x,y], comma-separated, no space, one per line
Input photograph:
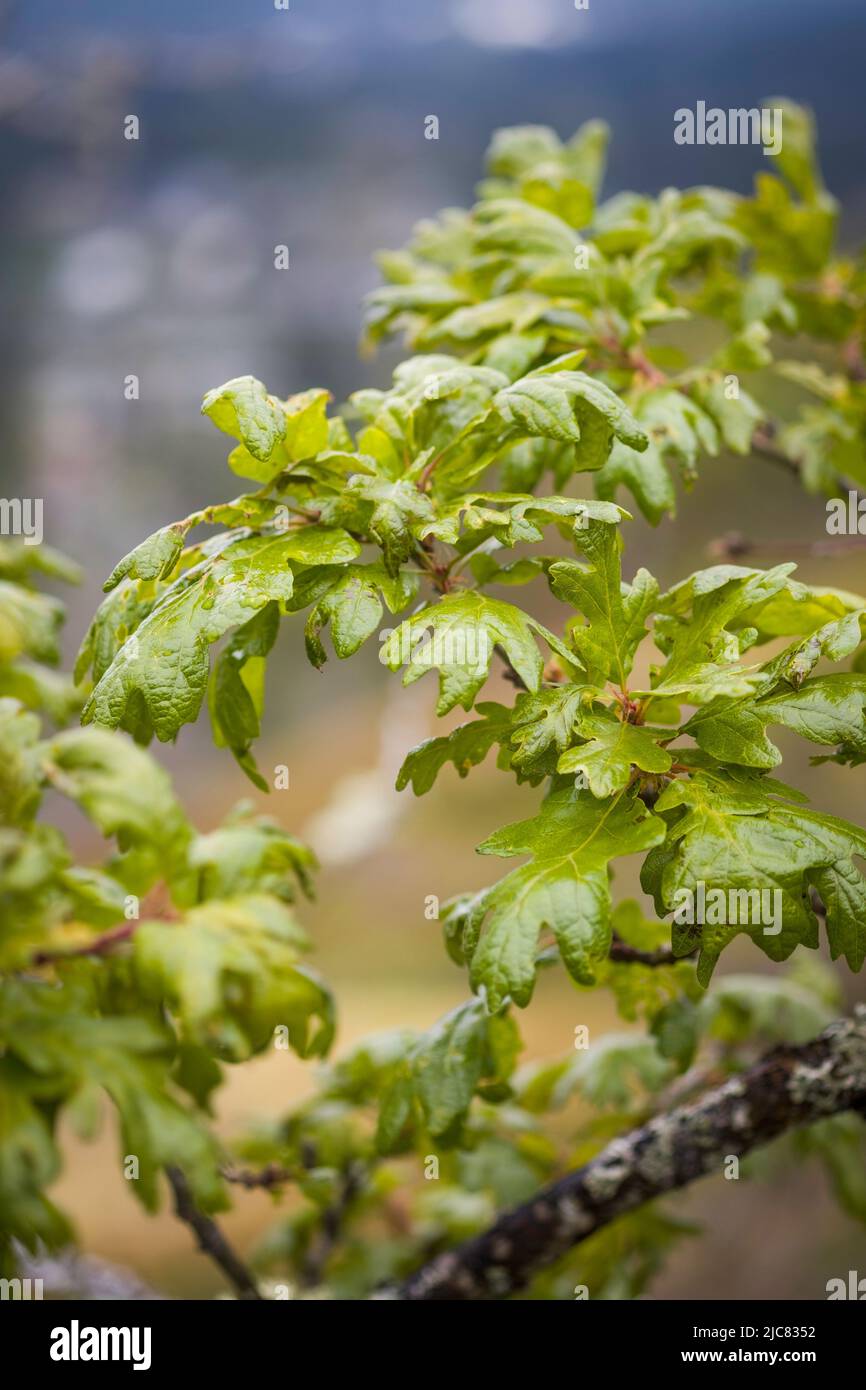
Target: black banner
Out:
[219,1337]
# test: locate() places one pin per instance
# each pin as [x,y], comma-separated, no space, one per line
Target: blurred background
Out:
[305,127]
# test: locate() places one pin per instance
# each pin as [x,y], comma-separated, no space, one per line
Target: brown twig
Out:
[852,357]
[331,1229]
[99,946]
[765,446]
[734,545]
[272,1175]
[510,674]
[427,472]
[211,1240]
[639,362]
[624,954]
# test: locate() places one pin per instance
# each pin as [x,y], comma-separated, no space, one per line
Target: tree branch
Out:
[272,1175]
[734,545]
[623,954]
[790,1086]
[764,446]
[210,1238]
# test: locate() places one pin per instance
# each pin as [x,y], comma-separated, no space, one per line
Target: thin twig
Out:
[333,1217]
[624,954]
[765,446]
[211,1240]
[427,472]
[272,1175]
[852,358]
[733,545]
[99,946]
[510,673]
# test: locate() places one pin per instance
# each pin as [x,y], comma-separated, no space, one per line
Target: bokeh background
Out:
[306,127]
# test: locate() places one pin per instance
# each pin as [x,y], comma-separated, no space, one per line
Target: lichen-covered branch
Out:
[791,1086]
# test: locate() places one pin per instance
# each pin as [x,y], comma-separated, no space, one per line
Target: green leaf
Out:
[675,1028]
[29,624]
[53,694]
[465,1052]
[797,158]
[512,518]
[236,689]
[251,855]
[839,1142]
[242,408]
[351,601]
[306,425]
[739,1007]
[737,416]
[161,671]
[29,1161]
[824,709]
[394,1112]
[698,629]
[615,613]
[229,971]
[645,475]
[20,764]
[733,835]
[65,1049]
[564,889]
[465,747]
[457,636]
[614,747]
[128,796]
[606,1072]
[512,313]
[514,150]
[679,426]
[388,511]
[447,1065]
[154,558]
[543,726]
[571,407]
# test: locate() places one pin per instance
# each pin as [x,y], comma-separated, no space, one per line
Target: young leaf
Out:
[564,888]
[574,408]
[615,613]
[613,747]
